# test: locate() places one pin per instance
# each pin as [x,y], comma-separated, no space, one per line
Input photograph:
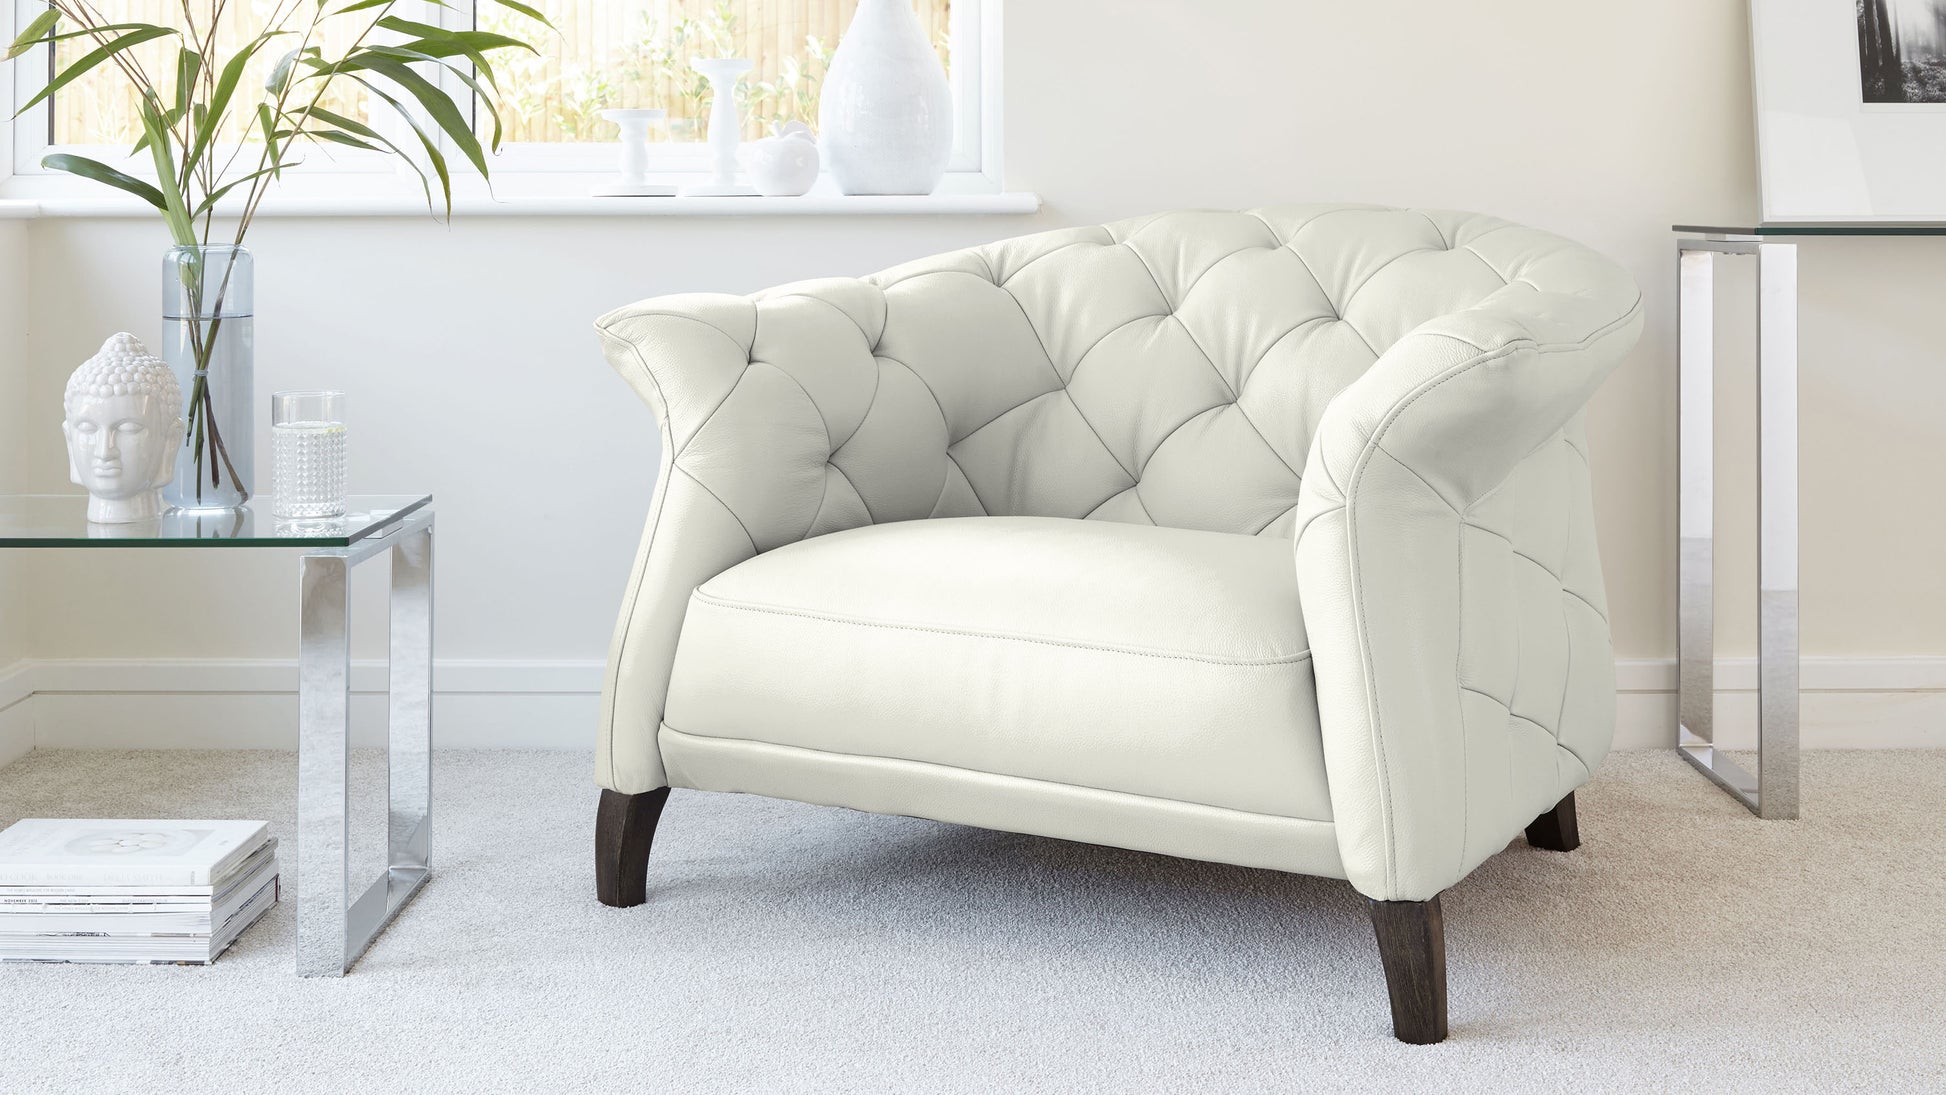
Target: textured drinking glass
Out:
[307,454]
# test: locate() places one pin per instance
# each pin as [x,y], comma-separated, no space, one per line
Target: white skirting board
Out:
[1855,703]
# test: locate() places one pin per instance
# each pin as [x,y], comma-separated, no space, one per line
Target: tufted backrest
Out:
[1168,369]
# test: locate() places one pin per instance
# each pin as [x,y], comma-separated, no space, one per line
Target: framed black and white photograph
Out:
[1902,52]
[1851,109]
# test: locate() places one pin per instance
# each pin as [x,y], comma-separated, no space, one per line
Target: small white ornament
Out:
[786,165]
[123,424]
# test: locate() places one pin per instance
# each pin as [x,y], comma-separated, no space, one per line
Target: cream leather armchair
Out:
[1262,538]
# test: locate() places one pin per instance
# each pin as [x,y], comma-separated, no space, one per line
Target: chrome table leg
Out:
[332,928]
[1773,791]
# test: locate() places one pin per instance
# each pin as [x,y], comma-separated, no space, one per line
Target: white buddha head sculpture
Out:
[123,425]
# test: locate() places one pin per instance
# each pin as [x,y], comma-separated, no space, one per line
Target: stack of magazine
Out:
[132,891]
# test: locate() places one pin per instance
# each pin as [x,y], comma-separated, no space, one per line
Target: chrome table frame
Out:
[333,929]
[1773,791]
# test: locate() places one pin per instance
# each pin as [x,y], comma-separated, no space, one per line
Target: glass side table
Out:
[333,926]
[1772,791]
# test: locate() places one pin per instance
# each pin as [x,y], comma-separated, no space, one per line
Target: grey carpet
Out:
[1686,946]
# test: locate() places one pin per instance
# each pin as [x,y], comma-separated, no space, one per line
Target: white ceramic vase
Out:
[885,115]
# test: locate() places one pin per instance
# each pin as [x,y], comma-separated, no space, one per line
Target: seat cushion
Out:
[1159,662]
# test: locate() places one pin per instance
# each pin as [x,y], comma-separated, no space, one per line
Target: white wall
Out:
[473,373]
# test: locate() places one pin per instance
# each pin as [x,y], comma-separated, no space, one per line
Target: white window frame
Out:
[519,170]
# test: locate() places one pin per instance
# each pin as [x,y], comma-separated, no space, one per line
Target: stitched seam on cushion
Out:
[870,342]
[776,610]
[1437,231]
[1136,489]
[1410,470]
[1235,394]
[1274,519]
[951,440]
[1567,673]
[1337,310]
[1387,264]
[1351,536]
[698,431]
[862,500]
[734,341]
[1096,344]
[829,448]
[1578,452]
[1298,532]
[1491,696]
[1558,743]
[992,275]
[1029,264]
[1178,428]
[1069,392]
[947,424]
[878,382]
[1562,582]
[754,549]
[1587,772]
[996,775]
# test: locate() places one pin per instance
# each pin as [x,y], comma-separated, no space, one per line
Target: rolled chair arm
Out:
[1451,588]
[755,397]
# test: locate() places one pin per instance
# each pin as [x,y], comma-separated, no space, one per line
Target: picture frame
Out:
[1850,103]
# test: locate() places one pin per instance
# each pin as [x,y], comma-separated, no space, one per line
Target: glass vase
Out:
[207,304]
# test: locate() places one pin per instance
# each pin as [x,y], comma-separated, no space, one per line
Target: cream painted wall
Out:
[16,381]
[473,373]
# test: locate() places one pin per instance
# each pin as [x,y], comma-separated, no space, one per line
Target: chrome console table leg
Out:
[333,927]
[1773,791]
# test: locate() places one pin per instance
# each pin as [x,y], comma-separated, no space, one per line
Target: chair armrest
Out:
[1451,587]
[755,398]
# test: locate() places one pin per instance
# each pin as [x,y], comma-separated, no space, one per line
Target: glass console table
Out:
[1772,792]
[333,927]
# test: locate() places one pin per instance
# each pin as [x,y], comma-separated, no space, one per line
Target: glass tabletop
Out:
[61,521]
[1817,228]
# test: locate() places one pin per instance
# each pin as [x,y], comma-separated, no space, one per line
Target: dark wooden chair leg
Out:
[1556,830]
[624,832]
[1412,946]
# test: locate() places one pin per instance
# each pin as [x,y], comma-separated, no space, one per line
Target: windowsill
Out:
[521,194]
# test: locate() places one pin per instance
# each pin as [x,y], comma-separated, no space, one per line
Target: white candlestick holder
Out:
[723,74]
[634,182]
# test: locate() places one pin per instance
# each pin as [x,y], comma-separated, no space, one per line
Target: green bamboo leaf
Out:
[90,60]
[527,11]
[175,211]
[433,155]
[209,202]
[437,103]
[104,174]
[189,68]
[211,121]
[268,123]
[352,125]
[280,75]
[35,31]
[336,137]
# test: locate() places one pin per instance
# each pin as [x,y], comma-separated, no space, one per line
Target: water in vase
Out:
[308,469]
[207,339]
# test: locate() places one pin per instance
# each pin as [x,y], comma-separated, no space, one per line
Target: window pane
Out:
[101,107]
[636,53]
